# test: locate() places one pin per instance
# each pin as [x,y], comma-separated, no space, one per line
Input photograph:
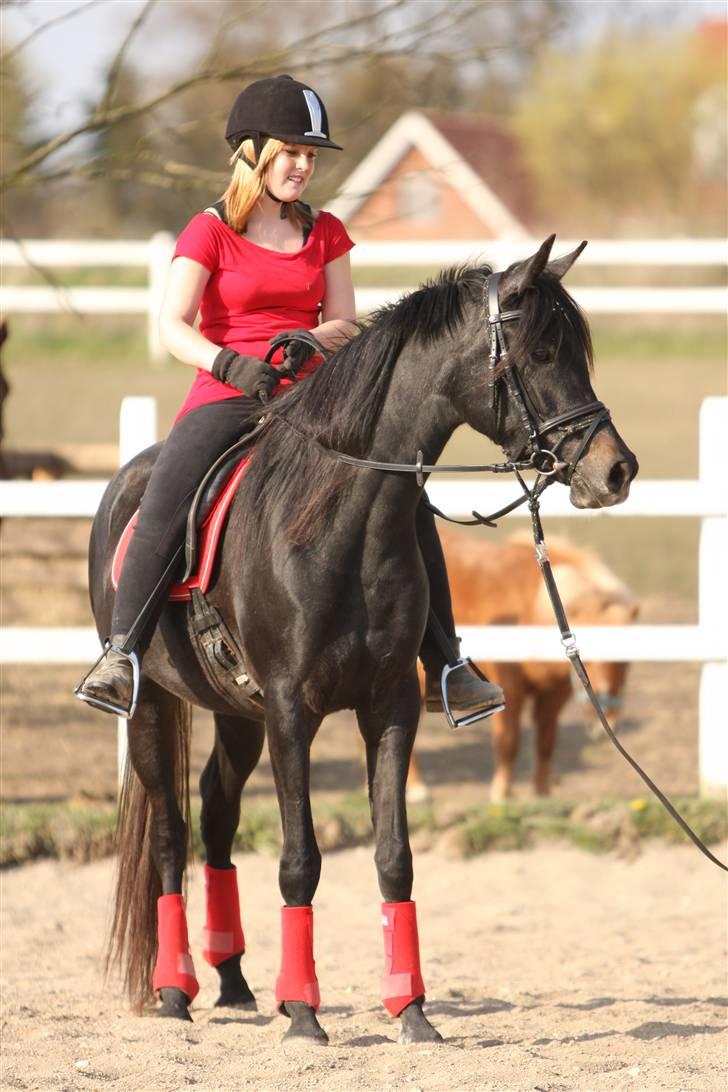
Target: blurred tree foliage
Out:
[630,134]
[150,151]
[621,134]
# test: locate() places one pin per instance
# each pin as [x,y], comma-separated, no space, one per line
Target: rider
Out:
[256,264]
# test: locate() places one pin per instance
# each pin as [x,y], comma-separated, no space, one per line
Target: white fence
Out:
[705,643]
[154,255]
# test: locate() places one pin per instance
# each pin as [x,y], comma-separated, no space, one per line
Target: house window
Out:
[418,197]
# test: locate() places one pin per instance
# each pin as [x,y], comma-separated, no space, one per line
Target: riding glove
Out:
[296,352]
[250,375]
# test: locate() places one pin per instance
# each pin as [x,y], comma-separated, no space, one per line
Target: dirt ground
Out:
[546,970]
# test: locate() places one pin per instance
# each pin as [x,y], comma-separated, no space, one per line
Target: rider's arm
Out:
[338,314]
[185,285]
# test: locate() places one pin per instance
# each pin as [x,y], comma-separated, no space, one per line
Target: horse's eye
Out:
[540,354]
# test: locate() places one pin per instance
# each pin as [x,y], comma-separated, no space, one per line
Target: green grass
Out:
[86,832]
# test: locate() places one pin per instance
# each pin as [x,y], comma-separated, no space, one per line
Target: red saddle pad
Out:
[209,538]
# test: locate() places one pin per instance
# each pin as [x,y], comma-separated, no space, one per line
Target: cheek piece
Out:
[402,982]
[223,933]
[297,980]
[174,967]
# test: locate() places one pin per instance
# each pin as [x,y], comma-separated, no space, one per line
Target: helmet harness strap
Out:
[258,145]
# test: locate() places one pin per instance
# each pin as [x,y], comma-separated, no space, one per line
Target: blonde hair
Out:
[247,185]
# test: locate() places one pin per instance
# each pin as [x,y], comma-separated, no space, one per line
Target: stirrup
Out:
[470,718]
[110,706]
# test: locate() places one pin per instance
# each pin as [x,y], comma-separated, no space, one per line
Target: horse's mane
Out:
[340,404]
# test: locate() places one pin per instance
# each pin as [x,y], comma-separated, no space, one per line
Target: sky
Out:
[66,61]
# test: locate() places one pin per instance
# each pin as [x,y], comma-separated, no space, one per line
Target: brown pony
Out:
[500,584]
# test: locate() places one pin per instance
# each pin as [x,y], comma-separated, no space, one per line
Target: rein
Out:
[568,640]
[589,417]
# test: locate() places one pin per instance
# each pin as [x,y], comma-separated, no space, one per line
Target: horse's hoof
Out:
[415,1027]
[175,1004]
[235,993]
[304,1025]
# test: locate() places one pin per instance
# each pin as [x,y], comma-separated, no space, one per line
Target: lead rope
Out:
[568,640]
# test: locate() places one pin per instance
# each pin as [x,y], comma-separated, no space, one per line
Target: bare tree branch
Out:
[436,33]
[11,53]
[118,61]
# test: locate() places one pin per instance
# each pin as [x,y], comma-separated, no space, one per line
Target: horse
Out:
[323,589]
[500,584]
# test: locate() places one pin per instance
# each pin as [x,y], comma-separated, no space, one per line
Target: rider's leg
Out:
[194,443]
[465,690]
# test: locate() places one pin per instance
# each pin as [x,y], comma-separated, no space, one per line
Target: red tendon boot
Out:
[402,982]
[223,934]
[297,980]
[174,967]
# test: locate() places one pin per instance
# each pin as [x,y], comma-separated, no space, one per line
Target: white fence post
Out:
[137,431]
[161,248]
[713,601]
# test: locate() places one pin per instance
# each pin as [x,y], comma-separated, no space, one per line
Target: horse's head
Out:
[540,404]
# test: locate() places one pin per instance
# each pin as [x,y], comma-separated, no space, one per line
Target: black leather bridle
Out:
[532,454]
[588,417]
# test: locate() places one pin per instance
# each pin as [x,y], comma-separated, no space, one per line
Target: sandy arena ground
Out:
[546,970]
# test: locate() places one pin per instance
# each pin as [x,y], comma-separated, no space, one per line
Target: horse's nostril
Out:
[618,476]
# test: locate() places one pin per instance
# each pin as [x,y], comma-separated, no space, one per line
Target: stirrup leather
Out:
[465,664]
[110,706]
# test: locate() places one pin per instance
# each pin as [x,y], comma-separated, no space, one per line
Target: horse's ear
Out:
[522,275]
[561,266]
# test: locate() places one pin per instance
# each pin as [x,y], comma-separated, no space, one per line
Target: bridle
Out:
[532,454]
[588,417]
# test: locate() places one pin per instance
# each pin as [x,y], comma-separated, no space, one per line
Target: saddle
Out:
[205,523]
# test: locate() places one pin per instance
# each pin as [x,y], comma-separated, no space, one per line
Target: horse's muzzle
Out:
[601,483]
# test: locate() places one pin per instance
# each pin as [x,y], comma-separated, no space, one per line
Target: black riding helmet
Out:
[278,107]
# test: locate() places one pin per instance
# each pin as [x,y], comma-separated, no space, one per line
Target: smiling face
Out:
[290,171]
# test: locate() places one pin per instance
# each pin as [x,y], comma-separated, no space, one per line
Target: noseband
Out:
[587,418]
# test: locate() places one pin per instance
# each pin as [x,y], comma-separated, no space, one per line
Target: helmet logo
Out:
[314,112]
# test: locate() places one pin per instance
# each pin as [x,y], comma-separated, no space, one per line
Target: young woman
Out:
[256,264]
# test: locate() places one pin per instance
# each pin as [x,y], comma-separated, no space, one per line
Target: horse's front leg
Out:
[290,734]
[389,732]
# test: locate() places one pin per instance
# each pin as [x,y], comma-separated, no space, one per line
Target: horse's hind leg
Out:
[389,736]
[238,744]
[149,918]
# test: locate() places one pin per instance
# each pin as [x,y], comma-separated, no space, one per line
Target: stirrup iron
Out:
[465,664]
[110,706]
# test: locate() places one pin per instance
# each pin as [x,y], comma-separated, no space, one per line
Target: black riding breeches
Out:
[193,445]
[432,655]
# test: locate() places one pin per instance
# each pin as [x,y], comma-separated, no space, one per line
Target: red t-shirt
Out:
[254,293]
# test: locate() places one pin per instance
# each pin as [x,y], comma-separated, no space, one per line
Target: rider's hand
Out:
[296,353]
[248,374]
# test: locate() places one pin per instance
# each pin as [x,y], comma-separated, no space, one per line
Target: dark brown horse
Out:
[323,588]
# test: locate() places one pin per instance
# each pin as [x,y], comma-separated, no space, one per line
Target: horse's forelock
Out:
[548,310]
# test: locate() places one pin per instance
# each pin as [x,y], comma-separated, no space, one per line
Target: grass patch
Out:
[85,832]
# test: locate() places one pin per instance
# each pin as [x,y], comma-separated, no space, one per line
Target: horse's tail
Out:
[132,941]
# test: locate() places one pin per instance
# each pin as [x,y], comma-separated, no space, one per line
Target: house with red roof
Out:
[436,176]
